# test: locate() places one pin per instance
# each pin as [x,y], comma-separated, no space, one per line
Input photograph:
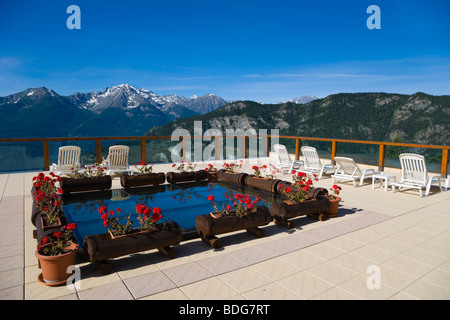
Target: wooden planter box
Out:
[235,178]
[142,179]
[69,185]
[281,212]
[176,177]
[99,248]
[266,184]
[208,227]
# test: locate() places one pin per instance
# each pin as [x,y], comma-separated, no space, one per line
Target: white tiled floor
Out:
[405,236]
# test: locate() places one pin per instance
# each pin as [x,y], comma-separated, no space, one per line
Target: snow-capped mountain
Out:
[115,111]
[121,96]
[304,99]
[129,97]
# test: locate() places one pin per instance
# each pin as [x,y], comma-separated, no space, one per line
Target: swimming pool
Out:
[180,203]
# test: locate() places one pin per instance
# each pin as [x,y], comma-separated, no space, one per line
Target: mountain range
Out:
[418,118]
[125,110]
[40,112]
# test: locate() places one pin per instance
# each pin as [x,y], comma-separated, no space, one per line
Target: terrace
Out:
[403,236]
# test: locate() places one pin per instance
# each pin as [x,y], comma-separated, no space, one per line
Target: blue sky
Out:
[268,51]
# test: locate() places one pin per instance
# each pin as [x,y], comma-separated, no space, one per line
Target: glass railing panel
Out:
[361,153]
[433,157]
[289,143]
[21,156]
[323,149]
[134,156]
[160,150]
[88,151]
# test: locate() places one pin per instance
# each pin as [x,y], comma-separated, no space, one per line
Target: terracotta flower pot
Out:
[332,211]
[54,268]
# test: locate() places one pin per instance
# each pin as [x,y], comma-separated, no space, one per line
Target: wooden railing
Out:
[298,142]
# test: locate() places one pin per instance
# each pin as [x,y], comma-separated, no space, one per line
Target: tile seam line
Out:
[125,284]
[4,189]
[249,265]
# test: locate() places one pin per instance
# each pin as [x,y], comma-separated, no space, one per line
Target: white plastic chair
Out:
[347,169]
[415,174]
[313,165]
[284,160]
[118,160]
[68,159]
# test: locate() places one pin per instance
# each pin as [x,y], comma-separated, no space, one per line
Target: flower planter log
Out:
[99,248]
[142,179]
[312,194]
[265,184]
[212,175]
[208,227]
[236,178]
[281,212]
[69,185]
[42,230]
[176,177]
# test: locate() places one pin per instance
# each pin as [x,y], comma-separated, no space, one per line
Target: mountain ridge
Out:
[418,118]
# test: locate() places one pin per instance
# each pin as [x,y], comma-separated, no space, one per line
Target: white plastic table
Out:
[383,176]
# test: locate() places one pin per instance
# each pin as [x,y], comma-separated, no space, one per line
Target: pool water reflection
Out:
[180,203]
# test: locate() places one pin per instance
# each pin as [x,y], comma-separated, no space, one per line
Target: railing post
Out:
[245,147]
[143,150]
[333,151]
[268,146]
[381,154]
[297,149]
[46,155]
[98,150]
[444,163]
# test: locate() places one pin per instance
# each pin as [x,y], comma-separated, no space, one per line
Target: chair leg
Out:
[320,174]
[361,181]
